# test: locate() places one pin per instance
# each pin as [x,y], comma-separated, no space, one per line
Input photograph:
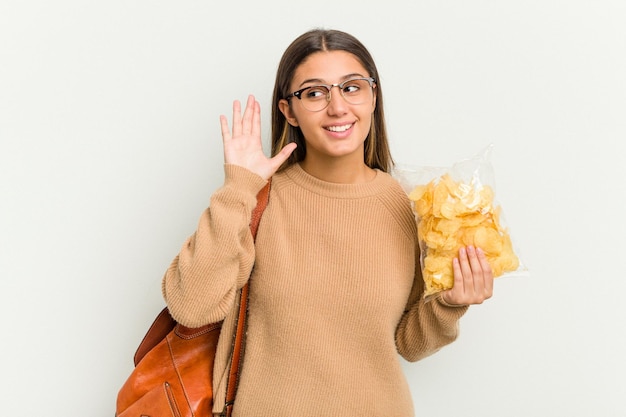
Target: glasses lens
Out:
[317,98]
[356,91]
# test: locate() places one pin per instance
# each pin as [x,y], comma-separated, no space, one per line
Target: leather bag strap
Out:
[238,345]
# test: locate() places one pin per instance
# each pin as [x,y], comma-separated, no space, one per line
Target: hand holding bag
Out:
[173,373]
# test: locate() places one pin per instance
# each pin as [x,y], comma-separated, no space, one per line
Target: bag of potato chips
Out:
[456,207]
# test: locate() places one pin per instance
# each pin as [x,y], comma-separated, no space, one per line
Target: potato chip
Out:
[448,210]
[472,219]
[489,240]
[437,273]
[447,227]
[418,192]
[422,196]
[452,214]
[435,264]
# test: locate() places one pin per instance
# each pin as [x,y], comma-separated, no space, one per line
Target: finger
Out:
[256,120]
[455,295]
[477,271]
[487,272]
[225,129]
[458,276]
[236,118]
[466,270]
[248,115]
[283,155]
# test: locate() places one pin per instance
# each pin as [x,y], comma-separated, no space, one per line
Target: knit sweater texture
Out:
[335,295]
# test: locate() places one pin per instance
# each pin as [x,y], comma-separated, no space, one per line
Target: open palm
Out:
[243,146]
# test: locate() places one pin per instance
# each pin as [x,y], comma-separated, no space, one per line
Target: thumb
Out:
[282,156]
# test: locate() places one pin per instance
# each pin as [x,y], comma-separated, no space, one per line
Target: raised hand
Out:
[473,278]
[243,145]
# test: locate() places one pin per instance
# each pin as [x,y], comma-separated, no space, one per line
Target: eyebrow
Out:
[318,81]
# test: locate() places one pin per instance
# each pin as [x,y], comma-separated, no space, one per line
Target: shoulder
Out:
[393,192]
[397,203]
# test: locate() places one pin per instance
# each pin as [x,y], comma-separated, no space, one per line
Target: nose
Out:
[337,104]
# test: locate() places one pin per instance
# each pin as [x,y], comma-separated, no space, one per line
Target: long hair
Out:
[377,154]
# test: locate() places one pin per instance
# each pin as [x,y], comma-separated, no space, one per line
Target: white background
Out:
[110,149]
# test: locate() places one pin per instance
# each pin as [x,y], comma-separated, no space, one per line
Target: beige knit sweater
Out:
[334,297]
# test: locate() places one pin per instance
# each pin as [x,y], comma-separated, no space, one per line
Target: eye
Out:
[315,93]
[352,87]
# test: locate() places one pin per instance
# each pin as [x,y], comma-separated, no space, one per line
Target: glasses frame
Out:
[298,94]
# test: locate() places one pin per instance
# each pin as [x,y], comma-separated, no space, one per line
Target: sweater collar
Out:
[336,190]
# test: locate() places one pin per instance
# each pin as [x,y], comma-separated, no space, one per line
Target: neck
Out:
[337,170]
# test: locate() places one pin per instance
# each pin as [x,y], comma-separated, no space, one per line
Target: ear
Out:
[285,109]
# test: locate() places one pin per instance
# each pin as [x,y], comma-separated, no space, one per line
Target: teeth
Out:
[339,128]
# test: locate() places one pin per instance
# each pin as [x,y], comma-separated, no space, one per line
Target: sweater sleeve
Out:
[201,283]
[426,326]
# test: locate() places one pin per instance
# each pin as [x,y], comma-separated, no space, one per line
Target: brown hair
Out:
[377,154]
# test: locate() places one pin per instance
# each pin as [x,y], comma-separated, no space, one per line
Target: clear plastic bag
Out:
[456,207]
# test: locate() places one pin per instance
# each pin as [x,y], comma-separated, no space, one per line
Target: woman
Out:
[336,290]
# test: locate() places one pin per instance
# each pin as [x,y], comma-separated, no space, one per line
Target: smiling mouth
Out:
[339,128]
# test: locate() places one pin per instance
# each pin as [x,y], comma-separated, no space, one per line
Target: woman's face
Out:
[340,129]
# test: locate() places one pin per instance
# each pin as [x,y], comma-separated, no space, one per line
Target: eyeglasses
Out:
[317,97]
